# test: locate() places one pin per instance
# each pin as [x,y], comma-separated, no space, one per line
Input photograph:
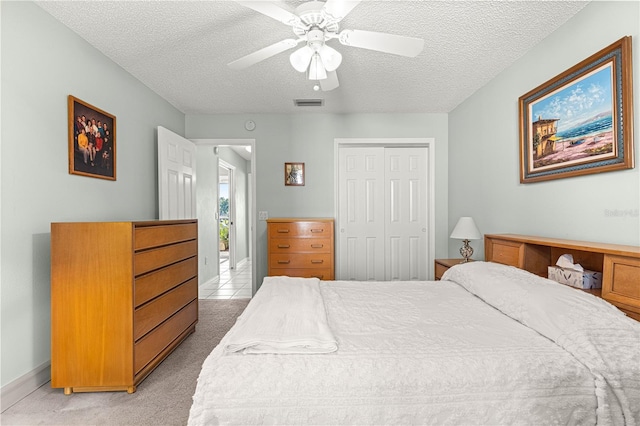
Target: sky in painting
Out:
[579,102]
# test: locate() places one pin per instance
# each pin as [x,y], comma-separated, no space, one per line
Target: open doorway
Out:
[236,156]
[226,210]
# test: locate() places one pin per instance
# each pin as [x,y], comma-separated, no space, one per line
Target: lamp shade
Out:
[466,229]
[301,58]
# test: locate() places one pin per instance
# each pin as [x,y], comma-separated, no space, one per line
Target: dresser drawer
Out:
[149,260]
[320,273]
[507,253]
[301,245]
[153,343]
[154,236]
[153,313]
[298,261]
[300,229]
[155,283]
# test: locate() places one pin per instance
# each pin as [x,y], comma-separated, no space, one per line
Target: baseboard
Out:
[210,281]
[242,262]
[23,386]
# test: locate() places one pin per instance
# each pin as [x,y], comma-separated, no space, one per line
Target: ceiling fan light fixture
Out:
[301,58]
[316,69]
[331,58]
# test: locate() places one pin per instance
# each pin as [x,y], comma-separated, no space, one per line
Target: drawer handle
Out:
[283,231]
[319,276]
[315,231]
[317,261]
[283,262]
[283,246]
[317,245]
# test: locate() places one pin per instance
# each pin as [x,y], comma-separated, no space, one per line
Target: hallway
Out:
[232,284]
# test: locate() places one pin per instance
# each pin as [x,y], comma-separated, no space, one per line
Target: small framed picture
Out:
[294,174]
[92,141]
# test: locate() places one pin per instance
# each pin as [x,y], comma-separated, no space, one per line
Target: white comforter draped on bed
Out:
[408,353]
[287,317]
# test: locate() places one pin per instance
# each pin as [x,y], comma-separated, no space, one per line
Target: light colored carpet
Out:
[163,398]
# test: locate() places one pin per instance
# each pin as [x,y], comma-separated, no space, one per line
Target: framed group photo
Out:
[581,121]
[92,140]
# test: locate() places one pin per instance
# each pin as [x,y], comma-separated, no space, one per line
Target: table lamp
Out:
[466,230]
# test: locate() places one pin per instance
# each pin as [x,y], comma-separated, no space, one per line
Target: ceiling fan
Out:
[315,23]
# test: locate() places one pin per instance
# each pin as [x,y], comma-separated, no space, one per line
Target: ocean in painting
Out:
[599,125]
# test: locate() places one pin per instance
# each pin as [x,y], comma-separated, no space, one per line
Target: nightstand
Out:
[441,266]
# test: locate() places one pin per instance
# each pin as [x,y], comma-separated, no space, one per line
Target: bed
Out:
[489,344]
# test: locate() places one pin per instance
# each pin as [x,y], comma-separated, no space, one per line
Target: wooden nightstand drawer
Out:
[442,265]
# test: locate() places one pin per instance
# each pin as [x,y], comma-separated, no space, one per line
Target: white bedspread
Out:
[408,353]
[596,333]
[286,316]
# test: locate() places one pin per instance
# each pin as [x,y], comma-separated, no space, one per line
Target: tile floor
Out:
[232,284]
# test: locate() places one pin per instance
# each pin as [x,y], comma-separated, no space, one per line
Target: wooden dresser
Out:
[301,247]
[123,296]
[619,264]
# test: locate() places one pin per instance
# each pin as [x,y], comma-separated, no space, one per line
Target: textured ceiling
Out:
[180,49]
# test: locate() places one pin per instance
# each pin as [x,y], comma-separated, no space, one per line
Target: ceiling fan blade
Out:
[382,42]
[329,83]
[338,9]
[264,53]
[272,10]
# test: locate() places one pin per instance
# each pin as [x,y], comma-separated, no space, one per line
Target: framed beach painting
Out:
[581,121]
[92,140]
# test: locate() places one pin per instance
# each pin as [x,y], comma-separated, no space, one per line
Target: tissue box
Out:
[583,280]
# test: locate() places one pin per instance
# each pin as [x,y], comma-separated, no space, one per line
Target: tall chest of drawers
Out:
[123,296]
[301,247]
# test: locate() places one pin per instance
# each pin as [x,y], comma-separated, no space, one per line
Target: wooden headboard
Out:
[619,264]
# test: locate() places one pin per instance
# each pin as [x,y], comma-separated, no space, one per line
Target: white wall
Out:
[309,138]
[42,63]
[484,147]
[207,206]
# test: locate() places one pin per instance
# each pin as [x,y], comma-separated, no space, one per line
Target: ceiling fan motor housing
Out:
[312,15]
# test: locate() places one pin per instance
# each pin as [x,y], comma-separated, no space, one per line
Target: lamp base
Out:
[466,251]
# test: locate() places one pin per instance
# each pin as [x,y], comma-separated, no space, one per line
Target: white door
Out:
[382,213]
[406,213]
[231,187]
[361,214]
[176,176]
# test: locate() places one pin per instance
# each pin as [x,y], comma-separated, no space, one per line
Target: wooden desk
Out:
[619,264]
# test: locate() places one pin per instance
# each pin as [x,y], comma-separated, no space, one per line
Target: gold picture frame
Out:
[581,121]
[92,140]
[294,174]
